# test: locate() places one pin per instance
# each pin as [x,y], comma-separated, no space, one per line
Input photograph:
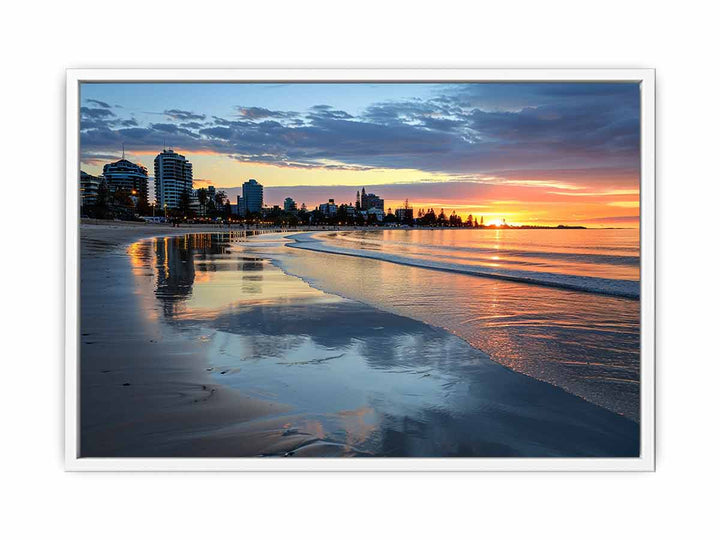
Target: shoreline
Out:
[156,228]
[484,273]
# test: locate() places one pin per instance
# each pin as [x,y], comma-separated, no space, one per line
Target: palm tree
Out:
[202,195]
[220,198]
[184,203]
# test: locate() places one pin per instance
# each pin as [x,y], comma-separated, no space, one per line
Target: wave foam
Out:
[612,287]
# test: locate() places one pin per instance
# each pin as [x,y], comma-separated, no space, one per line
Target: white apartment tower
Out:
[173,176]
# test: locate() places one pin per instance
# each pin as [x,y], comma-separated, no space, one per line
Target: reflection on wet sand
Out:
[356,380]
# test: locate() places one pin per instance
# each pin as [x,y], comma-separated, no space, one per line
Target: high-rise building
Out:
[252,196]
[173,176]
[127,176]
[89,186]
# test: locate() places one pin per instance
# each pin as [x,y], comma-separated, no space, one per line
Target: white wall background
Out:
[39,42]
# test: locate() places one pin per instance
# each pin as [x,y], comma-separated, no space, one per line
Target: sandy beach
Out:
[201,346]
[141,395]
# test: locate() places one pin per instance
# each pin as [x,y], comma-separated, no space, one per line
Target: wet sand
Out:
[102,236]
[194,347]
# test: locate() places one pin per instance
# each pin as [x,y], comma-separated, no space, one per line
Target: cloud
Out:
[463,131]
[92,113]
[92,117]
[177,114]
[172,128]
[326,112]
[608,219]
[98,103]
[434,114]
[90,158]
[191,125]
[258,113]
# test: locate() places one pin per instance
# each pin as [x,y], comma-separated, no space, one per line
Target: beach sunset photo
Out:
[359,269]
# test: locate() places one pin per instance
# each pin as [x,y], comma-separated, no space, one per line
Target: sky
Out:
[529,153]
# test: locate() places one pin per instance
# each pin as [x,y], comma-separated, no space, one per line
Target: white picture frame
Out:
[646,459]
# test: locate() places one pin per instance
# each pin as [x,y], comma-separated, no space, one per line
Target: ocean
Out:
[561,306]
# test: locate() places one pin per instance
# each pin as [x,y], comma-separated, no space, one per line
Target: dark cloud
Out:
[326,112]
[167,128]
[177,114]
[285,162]
[98,103]
[588,128]
[516,96]
[88,112]
[217,132]
[91,117]
[259,113]
[92,158]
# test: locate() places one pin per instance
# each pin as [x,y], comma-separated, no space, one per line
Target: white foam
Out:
[613,287]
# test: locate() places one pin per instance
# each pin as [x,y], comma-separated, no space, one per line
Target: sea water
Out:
[559,305]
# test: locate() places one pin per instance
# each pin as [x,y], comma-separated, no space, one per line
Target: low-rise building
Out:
[289,205]
[404,215]
[329,208]
[379,213]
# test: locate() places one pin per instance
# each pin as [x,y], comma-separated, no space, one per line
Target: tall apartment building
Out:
[252,197]
[173,176]
[127,176]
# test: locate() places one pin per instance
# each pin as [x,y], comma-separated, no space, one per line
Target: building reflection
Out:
[175,273]
[175,265]
[252,275]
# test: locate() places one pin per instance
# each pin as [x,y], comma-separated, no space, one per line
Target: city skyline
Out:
[536,153]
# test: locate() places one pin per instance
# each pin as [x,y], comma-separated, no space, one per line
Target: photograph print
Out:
[348,270]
